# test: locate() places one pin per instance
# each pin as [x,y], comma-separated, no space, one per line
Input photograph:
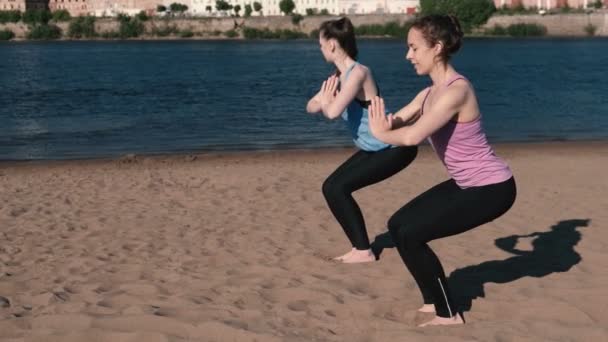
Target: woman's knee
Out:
[403,233]
[333,188]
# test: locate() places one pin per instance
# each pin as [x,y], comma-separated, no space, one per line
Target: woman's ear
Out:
[332,45]
[438,48]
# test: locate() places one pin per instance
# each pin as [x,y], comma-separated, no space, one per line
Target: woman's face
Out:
[326,46]
[420,53]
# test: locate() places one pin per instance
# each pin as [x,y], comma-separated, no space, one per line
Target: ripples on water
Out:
[91,99]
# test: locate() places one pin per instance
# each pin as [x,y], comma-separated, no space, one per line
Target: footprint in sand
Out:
[4,302]
[298,305]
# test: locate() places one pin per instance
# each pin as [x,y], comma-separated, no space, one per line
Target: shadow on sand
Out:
[553,251]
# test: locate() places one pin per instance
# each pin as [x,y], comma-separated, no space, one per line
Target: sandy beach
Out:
[235,247]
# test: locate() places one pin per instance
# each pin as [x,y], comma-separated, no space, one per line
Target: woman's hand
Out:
[378,121]
[328,91]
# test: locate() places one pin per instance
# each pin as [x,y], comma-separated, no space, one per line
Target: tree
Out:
[222,5]
[175,7]
[237,9]
[61,15]
[161,8]
[32,16]
[287,6]
[209,9]
[311,11]
[597,4]
[248,10]
[470,13]
[257,6]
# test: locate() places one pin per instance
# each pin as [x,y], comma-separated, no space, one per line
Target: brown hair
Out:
[343,31]
[437,28]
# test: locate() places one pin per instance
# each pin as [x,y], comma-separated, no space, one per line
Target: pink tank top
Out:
[464,150]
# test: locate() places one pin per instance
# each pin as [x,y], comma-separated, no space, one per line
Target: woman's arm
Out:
[410,111]
[314,104]
[442,111]
[332,104]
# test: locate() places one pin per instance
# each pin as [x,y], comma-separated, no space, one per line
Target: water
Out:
[63,100]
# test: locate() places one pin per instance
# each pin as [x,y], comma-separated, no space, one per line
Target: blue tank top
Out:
[357,119]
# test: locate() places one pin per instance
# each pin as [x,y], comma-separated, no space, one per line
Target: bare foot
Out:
[342,257]
[427,308]
[457,319]
[357,256]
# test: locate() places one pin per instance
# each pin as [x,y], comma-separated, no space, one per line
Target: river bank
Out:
[285,27]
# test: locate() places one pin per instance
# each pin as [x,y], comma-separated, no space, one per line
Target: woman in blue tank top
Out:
[347,94]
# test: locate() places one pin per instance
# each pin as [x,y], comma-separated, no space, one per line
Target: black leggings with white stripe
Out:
[441,211]
[360,170]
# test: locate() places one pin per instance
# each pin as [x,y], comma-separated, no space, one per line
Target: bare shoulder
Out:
[460,90]
[462,85]
[361,71]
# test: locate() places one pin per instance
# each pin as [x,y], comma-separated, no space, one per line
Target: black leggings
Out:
[441,211]
[360,170]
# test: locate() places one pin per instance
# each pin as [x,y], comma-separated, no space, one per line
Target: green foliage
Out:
[176,7]
[6,35]
[110,35]
[44,32]
[61,15]
[287,6]
[82,27]
[497,30]
[470,13]
[186,33]
[248,10]
[289,34]
[257,6]
[324,12]
[161,8]
[590,29]
[597,4]
[517,30]
[390,29]
[10,16]
[33,17]
[129,27]
[231,34]
[142,16]
[314,34]
[311,11]
[165,31]
[526,30]
[252,33]
[296,18]
[222,5]
[237,9]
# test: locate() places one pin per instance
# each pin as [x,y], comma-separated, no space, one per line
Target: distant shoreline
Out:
[577,25]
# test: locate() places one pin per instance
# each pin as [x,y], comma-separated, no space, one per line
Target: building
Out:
[546,4]
[75,7]
[378,6]
[207,7]
[335,7]
[22,5]
[102,8]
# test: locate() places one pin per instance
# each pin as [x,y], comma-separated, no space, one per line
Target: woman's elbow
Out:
[331,114]
[411,141]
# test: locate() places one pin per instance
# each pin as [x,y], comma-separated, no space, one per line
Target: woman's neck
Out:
[342,63]
[441,74]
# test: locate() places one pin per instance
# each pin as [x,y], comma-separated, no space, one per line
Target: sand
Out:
[234,247]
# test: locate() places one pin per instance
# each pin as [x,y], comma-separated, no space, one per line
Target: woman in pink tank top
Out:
[481,187]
